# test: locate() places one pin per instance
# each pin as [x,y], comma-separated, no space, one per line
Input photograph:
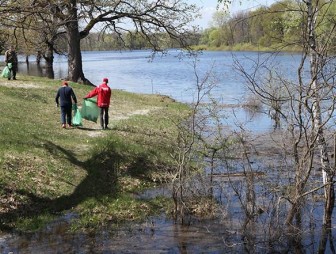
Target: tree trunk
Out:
[49,59]
[75,68]
[296,203]
[38,57]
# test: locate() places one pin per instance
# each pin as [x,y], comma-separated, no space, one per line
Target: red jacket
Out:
[104,95]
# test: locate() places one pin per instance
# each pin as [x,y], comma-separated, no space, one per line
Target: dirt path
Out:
[114,118]
[20,84]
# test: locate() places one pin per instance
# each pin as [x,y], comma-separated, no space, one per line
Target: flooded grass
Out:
[160,234]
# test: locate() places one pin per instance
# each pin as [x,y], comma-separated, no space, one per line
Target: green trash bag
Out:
[90,110]
[6,72]
[77,117]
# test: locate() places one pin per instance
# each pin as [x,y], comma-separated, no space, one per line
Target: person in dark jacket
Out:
[103,93]
[11,57]
[66,95]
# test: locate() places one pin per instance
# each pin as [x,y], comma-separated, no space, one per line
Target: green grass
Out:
[250,47]
[47,171]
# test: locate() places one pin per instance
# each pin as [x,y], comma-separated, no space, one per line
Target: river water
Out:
[169,74]
[177,76]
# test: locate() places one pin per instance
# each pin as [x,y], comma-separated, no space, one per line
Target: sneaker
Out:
[106,128]
[63,126]
[14,78]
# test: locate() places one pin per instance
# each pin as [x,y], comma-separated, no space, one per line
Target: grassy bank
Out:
[47,171]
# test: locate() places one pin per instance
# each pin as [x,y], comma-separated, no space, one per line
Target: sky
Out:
[209,7]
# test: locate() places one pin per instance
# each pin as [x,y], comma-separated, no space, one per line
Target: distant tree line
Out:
[43,28]
[134,41]
[277,26]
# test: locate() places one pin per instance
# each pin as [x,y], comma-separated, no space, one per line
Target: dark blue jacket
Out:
[64,94]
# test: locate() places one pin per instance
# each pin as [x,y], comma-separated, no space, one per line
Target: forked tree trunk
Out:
[297,201]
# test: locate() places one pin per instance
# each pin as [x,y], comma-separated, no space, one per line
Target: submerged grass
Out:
[47,171]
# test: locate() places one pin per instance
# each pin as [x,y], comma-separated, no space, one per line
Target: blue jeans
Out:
[66,114]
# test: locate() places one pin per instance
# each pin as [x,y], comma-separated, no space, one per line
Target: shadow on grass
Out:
[101,180]
[86,128]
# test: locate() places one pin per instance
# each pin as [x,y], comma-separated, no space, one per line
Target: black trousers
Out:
[104,117]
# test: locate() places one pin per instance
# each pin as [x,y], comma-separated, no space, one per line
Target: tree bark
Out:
[49,59]
[75,67]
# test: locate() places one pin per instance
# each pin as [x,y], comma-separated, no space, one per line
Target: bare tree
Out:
[78,18]
[321,86]
[307,106]
[34,30]
[197,146]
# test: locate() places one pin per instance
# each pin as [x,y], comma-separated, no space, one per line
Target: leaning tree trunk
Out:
[315,61]
[75,68]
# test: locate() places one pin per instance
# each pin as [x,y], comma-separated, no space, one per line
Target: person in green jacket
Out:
[11,57]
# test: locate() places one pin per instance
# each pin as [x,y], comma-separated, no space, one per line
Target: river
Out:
[175,75]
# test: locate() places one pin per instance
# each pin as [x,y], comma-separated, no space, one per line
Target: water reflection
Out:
[239,118]
[40,70]
[229,233]
[327,241]
[161,235]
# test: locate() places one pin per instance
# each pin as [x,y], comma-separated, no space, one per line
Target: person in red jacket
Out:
[103,93]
